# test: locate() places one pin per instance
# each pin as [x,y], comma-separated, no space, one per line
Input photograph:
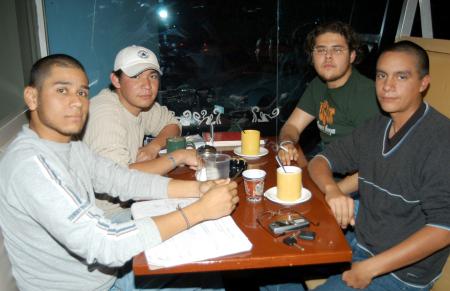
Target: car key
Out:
[292,241]
[307,235]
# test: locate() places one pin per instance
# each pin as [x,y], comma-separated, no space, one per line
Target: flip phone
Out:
[279,227]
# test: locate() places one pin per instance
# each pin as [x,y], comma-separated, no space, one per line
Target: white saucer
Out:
[271,194]
[262,152]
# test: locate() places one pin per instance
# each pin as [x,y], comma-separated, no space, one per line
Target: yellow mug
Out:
[289,183]
[250,142]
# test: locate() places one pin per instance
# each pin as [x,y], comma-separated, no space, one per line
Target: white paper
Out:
[209,239]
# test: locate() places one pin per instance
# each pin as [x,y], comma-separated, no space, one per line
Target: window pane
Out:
[237,64]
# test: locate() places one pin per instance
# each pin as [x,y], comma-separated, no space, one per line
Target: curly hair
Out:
[338,27]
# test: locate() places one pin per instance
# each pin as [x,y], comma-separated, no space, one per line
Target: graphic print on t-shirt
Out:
[326,117]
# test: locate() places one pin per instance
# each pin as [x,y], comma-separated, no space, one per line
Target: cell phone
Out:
[279,227]
[307,235]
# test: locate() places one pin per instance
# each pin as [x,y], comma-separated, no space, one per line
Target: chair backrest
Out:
[438,95]
[443,283]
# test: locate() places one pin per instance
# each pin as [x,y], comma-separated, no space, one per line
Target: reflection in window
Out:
[228,62]
[234,62]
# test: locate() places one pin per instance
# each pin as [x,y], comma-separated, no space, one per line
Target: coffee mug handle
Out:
[190,144]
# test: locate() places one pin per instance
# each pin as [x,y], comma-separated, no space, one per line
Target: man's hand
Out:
[358,276]
[187,157]
[207,185]
[148,152]
[220,200]
[289,153]
[341,205]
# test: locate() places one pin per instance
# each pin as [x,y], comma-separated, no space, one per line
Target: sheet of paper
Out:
[209,239]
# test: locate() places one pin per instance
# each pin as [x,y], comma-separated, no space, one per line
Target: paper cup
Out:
[250,142]
[289,184]
[254,184]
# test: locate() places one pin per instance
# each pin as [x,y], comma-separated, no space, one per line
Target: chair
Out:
[443,284]
[438,95]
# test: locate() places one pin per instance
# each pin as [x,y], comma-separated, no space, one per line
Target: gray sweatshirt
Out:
[56,238]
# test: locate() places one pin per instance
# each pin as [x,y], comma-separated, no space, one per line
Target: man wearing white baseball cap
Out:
[133,60]
[121,115]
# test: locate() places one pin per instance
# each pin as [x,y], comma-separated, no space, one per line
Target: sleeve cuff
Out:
[325,158]
[148,232]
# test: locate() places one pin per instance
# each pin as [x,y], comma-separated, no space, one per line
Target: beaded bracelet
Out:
[286,142]
[281,145]
[184,216]
[172,159]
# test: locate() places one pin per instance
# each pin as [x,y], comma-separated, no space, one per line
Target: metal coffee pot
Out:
[206,149]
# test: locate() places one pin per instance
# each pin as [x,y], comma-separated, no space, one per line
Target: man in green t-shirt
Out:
[339,98]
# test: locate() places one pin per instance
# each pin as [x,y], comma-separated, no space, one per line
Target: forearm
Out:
[321,174]
[169,130]
[182,188]
[289,133]
[178,221]
[289,148]
[420,245]
[349,184]
[161,165]
[119,181]
[218,199]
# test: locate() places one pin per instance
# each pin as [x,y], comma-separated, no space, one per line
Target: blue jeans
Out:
[185,282]
[283,287]
[279,279]
[385,282]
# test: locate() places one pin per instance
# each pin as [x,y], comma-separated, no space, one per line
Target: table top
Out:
[329,245]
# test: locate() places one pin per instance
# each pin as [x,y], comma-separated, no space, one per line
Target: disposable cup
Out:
[289,183]
[254,184]
[250,142]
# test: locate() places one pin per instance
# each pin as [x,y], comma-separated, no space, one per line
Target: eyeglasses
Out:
[334,50]
[284,214]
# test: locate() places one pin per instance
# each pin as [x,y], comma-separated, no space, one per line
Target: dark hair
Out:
[406,46]
[118,74]
[42,67]
[338,27]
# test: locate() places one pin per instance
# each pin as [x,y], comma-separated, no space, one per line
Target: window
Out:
[228,62]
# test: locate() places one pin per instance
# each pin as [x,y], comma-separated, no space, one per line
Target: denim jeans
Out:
[385,282]
[283,287]
[279,279]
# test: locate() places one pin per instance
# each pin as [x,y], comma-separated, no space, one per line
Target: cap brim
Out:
[136,69]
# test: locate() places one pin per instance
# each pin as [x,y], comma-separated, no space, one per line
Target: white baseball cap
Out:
[133,60]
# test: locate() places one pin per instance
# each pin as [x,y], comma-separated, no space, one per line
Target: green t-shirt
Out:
[340,110]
